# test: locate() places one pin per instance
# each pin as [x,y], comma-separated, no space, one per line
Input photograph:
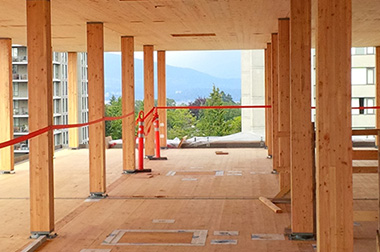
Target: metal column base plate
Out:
[48,235]
[97,196]
[269,157]
[137,171]
[158,158]
[302,236]
[7,172]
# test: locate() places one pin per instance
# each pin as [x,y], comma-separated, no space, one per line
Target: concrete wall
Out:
[252,90]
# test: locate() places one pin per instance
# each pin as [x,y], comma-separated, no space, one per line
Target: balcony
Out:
[20,59]
[20,77]
[20,112]
[21,130]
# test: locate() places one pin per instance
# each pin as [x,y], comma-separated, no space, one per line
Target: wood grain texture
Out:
[73,100]
[6,104]
[213,203]
[161,101]
[302,143]
[334,146]
[274,82]
[148,97]
[95,62]
[377,97]
[268,98]
[40,91]
[283,94]
[128,102]
[364,154]
[269,204]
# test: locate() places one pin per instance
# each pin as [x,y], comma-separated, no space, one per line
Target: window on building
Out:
[370,75]
[359,76]
[363,75]
[363,102]
[15,89]
[370,103]
[362,50]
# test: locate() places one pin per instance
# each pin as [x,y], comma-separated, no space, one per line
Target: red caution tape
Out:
[216,107]
[56,127]
[68,126]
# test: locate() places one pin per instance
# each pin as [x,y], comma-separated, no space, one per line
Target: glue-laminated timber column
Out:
[128,102]
[302,147]
[377,98]
[268,98]
[161,86]
[274,89]
[40,90]
[72,84]
[283,96]
[334,144]
[6,105]
[95,62]
[148,96]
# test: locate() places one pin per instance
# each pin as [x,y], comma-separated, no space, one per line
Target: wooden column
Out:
[268,98]
[302,147]
[284,101]
[128,102]
[95,62]
[40,103]
[6,105]
[378,88]
[73,99]
[334,145]
[161,86]
[274,88]
[148,96]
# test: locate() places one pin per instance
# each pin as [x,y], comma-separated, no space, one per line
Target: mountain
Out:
[182,84]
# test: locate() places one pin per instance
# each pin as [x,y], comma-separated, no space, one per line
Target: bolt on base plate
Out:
[7,172]
[302,237]
[97,196]
[158,158]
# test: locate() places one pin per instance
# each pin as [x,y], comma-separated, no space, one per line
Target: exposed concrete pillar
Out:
[161,86]
[334,144]
[95,58]
[268,98]
[148,96]
[302,147]
[274,92]
[253,93]
[6,105]
[73,99]
[128,102]
[40,91]
[284,101]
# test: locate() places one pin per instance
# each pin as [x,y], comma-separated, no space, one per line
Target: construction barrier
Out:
[144,117]
[156,125]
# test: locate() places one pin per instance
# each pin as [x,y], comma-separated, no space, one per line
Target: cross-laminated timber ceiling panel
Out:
[230,24]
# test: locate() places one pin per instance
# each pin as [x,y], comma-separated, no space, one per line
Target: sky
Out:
[222,64]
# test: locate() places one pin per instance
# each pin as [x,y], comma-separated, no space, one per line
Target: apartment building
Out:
[363,80]
[363,88]
[60,96]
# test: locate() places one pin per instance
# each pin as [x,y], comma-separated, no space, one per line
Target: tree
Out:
[212,121]
[114,128]
[180,123]
[198,102]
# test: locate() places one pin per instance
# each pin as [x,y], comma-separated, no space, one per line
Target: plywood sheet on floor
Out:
[210,203]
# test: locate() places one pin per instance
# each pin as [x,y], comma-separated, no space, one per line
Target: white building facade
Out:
[363,88]
[60,96]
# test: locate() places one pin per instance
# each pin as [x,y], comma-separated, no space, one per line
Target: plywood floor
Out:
[194,198]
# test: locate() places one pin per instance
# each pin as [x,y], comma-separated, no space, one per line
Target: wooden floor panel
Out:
[196,202]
